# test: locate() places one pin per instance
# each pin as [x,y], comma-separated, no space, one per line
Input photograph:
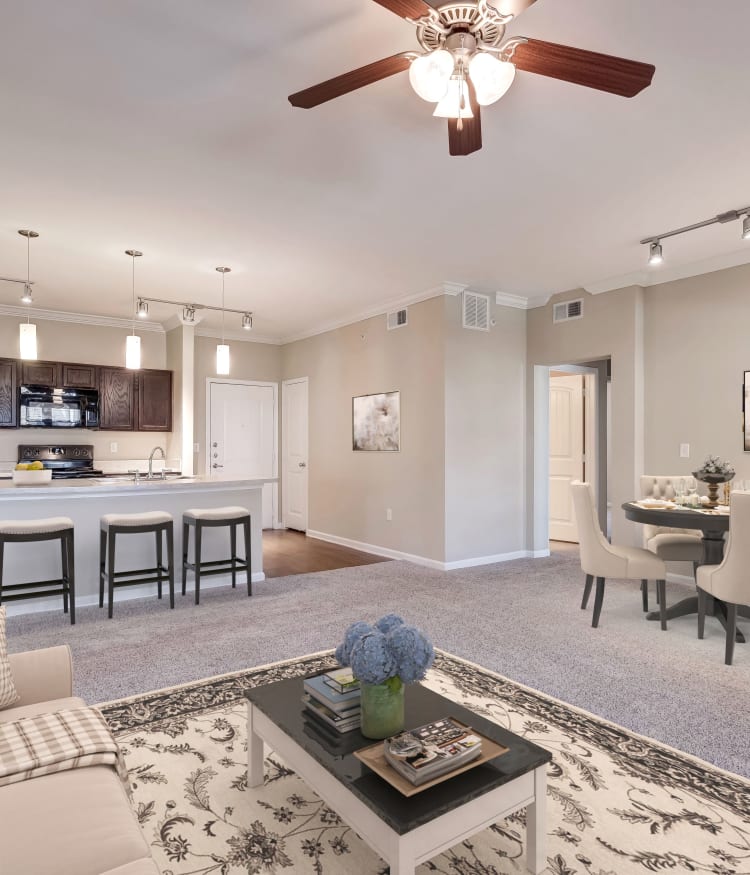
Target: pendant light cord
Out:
[132,257]
[28,274]
[223,275]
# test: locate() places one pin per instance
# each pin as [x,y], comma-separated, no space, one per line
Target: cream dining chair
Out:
[671,545]
[730,581]
[600,559]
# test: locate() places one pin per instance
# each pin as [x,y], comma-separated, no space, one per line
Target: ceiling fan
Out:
[466,63]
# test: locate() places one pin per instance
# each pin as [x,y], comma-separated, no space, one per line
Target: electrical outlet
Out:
[114,447]
[196,448]
[389,514]
[684,451]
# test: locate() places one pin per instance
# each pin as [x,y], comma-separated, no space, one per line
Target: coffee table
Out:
[403,831]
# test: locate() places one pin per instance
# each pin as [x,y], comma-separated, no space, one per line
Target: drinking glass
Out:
[691,485]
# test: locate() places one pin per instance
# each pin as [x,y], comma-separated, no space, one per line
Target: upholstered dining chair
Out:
[600,559]
[730,581]
[671,545]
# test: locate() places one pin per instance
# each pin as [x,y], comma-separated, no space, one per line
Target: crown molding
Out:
[240,336]
[78,318]
[446,288]
[521,302]
[669,273]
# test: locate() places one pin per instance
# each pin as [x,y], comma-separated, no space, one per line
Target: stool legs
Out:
[170,554]
[185,544]
[2,557]
[157,574]
[233,545]
[159,558]
[197,569]
[111,575]
[102,564]
[69,574]
[248,560]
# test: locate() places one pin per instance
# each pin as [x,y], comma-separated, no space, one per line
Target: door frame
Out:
[284,384]
[588,438]
[210,381]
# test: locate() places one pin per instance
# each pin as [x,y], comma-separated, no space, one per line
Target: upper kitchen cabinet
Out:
[135,400]
[8,392]
[116,399]
[79,376]
[41,374]
[154,408]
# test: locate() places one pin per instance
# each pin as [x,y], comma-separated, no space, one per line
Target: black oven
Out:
[44,407]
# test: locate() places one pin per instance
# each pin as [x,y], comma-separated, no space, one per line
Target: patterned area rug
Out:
[617,803]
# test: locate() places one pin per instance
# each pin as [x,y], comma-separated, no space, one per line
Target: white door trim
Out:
[210,381]
[284,384]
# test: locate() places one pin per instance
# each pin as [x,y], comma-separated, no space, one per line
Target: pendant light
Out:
[222,350]
[27,331]
[133,342]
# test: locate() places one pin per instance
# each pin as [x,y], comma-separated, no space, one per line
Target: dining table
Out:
[712,523]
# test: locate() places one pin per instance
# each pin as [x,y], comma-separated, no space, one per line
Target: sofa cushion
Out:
[10,715]
[84,817]
[8,692]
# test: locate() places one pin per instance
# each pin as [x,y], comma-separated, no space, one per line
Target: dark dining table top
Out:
[677,517]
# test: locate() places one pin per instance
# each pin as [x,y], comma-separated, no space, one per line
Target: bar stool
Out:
[113,524]
[50,529]
[215,517]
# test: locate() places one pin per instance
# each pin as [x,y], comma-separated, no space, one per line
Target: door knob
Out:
[303,464]
[216,466]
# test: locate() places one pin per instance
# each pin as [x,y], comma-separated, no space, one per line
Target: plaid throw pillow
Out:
[8,693]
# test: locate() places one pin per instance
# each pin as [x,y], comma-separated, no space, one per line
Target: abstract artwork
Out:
[376,422]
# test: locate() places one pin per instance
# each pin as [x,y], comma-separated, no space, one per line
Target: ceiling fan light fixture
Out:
[491,77]
[655,254]
[456,103]
[430,75]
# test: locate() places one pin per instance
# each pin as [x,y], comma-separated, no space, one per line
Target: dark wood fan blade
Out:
[351,81]
[603,72]
[413,9]
[511,7]
[469,139]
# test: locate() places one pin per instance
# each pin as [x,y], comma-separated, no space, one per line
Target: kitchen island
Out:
[86,501]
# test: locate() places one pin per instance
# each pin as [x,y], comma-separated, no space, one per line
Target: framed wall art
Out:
[376,423]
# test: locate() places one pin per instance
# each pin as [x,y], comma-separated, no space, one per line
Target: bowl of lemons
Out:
[31,474]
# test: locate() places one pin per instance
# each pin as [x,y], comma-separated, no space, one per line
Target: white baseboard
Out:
[126,594]
[423,560]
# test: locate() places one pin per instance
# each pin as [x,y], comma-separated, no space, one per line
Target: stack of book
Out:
[431,751]
[333,699]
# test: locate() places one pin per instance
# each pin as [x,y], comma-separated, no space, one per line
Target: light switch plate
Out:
[196,448]
[684,451]
[114,447]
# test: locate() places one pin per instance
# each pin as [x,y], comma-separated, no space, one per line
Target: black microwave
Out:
[44,407]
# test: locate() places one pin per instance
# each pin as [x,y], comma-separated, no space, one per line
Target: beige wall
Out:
[249,361]
[349,492]
[612,327]
[484,426]
[89,344]
[697,347]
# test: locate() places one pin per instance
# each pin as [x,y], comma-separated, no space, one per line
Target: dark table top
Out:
[282,703]
[677,518]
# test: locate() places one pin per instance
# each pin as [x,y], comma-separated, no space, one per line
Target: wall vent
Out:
[397,319]
[476,311]
[568,310]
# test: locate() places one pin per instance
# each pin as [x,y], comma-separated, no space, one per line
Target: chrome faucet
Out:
[151,461]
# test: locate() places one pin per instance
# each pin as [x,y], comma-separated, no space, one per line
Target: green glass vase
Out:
[382,709]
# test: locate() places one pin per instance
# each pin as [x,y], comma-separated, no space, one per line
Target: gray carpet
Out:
[522,619]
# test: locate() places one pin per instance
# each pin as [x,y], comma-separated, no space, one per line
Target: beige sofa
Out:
[78,822]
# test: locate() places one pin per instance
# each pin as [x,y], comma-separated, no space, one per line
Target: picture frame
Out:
[376,423]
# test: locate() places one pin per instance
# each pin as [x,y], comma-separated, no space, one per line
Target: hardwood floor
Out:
[287,552]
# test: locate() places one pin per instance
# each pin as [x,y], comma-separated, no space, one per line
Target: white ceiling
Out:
[165,126]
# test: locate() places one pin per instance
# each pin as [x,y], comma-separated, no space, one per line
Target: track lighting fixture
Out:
[26,297]
[133,341]
[188,314]
[142,309]
[27,331]
[247,321]
[655,252]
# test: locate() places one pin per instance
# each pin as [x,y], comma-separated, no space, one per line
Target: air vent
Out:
[568,310]
[476,311]
[397,319]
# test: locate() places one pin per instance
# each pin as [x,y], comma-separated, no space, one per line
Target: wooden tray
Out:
[374,758]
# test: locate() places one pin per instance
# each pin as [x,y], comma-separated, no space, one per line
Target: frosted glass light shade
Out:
[27,338]
[491,77]
[430,74]
[456,103]
[133,352]
[222,359]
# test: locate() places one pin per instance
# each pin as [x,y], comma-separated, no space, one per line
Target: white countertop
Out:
[107,486]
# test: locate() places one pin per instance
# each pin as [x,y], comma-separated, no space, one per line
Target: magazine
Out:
[432,750]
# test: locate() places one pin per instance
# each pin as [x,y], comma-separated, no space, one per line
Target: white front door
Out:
[242,436]
[294,454]
[566,453]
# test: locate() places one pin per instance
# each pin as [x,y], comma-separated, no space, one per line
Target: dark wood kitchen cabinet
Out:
[41,374]
[8,393]
[135,400]
[79,376]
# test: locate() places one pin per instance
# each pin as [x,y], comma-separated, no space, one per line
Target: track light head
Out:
[655,255]
[26,297]
[247,321]
[746,227]
[142,309]
[188,314]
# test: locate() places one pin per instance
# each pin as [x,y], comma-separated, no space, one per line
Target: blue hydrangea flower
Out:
[351,636]
[372,658]
[388,622]
[412,651]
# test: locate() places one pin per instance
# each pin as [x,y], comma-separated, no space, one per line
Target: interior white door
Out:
[294,454]
[566,453]
[242,436]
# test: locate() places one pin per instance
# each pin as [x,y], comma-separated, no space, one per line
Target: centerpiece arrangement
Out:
[713,472]
[384,658]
